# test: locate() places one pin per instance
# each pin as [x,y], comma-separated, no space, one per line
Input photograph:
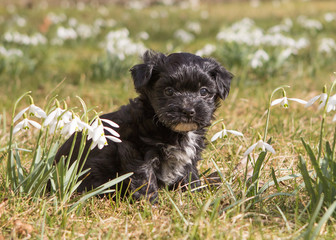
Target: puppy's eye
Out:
[169,91]
[204,92]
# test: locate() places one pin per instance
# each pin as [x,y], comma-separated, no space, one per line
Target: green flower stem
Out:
[323,120]
[333,146]
[9,159]
[269,109]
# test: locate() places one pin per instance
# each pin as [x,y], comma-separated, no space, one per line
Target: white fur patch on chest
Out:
[176,158]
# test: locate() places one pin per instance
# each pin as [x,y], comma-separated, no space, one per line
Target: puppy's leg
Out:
[190,179]
[144,184]
[143,181]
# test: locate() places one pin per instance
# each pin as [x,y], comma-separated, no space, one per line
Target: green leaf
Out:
[99,190]
[324,218]
[275,180]
[307,179]
[319,173]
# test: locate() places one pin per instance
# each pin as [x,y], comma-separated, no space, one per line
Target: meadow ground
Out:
[68,50]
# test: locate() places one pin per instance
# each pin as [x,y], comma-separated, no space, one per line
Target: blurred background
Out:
[86,47]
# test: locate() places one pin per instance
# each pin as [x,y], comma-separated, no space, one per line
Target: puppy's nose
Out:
[190,112]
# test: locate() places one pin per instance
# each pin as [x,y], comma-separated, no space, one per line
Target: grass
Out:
[222,212]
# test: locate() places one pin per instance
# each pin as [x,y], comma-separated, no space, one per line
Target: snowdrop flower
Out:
[259,58]
[323,98]
[53,117]
[207,50]
[327,45]
[184,36]
[96,133]
[260,146]
[284,101]
[32,111]
[223,134]
[74,125]
[24,125]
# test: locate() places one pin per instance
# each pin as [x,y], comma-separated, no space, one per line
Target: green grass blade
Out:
[177,209]
[275,180]
[307,179]
[324,218]
[99,190]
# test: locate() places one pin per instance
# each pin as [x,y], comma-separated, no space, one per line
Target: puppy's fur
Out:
[162,130]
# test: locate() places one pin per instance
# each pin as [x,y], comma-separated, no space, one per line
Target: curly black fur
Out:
[162,130]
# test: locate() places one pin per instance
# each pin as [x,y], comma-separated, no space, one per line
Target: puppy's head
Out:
[183,89]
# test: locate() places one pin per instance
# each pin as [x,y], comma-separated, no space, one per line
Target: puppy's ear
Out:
[222,78]
[143,73]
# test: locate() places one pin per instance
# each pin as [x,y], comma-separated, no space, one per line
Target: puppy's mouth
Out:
[184,127]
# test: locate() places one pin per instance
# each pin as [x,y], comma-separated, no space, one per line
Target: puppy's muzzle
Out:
[188,124]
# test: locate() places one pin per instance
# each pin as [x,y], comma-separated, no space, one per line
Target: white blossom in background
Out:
[86,31]
[327,45]
[286,53]
[56,18]
[246,32]
[286,26]
[66,33]
[143,35]
[207,50]
[120,45]
[259,58]
[194,27]
[16,37]
[309,23]
[10,52]
[73,22]
[329,17]
[184,36]
[260,146]
[20,21]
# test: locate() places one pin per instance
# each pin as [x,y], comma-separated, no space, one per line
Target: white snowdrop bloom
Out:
[259,58]
[97,134]
[25,125]
[74,125]
[184,36]
[224,133]
[55,19]
[10,52]
[20,21]
[322,97]
[66,33]
[284,101]
[194,27]
[85,31]
[143,35]
[24,39]
[58,115]
[32,110]
[331,103]
[73,22]
[260,146]
[286,53]
[120,45]
[329,17]
[207,50]
[309,23]
[327,45]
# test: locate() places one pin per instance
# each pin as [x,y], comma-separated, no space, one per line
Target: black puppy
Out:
[162,130]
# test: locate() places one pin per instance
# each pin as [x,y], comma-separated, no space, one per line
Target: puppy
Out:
[163,129]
